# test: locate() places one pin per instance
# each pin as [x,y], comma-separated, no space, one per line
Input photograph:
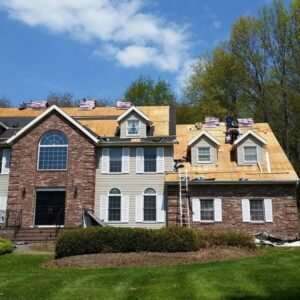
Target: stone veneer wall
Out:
[285,214]
[80,173]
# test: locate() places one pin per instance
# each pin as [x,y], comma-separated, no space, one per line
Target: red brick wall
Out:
[80,173]
[285,215]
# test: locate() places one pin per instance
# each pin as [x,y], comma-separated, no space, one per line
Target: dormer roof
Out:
[129,111]
[252,133]
[204,133]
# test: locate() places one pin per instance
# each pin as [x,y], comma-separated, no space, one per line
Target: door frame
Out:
[34,208]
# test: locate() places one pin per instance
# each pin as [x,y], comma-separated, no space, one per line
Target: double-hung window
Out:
[150,159]
[257,211]
[204,155]
[115,160]
[53,151]
[133,127]
[1,155]
[207,210]
[250,154]
[150,205]
[114,205]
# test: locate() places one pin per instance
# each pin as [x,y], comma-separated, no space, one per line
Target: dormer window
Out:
[250,154]
[133,127]
[204,155]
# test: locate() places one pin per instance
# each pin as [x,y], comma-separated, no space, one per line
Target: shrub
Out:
[172,239]
[6,246]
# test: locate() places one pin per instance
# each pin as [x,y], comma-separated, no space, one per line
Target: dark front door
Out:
[50,208]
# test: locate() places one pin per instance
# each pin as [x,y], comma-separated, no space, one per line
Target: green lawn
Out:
[276,275]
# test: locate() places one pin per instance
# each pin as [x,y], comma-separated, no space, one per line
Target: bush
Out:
[172,239]
[6,246]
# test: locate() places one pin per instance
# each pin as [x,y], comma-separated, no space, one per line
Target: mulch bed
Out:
[116,260]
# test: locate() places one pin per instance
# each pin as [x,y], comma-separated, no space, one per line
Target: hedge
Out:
[172,239]
[6,246]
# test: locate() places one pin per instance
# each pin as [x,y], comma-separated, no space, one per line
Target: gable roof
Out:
[46,113]
[205,133]
[130,110]
[250,132]
[227,169]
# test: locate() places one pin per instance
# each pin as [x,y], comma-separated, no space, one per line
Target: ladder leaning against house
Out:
[184,199]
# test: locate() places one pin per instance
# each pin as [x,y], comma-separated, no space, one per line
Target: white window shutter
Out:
[246,210]
[139,160]
[105,161]
[268,210]
[5,161]
[3,202]
[218,210]
[160,160]
[125,160]
[160,209]
[196,210]
[104,208]
[139,207]
[125,209]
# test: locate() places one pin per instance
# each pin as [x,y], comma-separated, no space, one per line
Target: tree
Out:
[61,99]
[217,78]
[4,102]
[145,91]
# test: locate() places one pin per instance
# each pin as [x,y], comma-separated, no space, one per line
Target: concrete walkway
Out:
[35,248]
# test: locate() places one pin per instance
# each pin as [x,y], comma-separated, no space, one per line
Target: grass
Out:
[275,275]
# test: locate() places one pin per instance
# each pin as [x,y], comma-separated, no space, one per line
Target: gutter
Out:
[245,182]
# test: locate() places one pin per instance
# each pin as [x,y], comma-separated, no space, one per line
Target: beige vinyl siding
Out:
[204,142]
[131,185]
[250,141]
[143,126]
[3,185]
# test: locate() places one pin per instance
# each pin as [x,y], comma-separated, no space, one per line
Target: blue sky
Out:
[96,48]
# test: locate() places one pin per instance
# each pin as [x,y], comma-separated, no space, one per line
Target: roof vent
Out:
[198,125]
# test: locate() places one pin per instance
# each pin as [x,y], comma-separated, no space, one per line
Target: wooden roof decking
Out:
[158,115]
[226,169]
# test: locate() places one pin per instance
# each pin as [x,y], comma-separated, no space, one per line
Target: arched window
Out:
[53,151]
[150,205]
[114,205]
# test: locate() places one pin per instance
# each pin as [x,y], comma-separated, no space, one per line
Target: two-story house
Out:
[136,168]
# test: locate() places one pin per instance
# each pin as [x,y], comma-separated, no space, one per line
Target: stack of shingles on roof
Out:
[246,122]
[211,122]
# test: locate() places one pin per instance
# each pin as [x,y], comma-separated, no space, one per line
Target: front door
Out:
[50,208]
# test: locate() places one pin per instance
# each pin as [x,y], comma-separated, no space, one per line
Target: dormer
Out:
[204,149]
[133,124]
[250,149]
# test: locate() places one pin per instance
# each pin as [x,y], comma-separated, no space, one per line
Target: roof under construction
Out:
[226,169]
[102,121]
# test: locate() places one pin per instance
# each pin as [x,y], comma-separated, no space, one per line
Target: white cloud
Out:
[126,32]
[184,74]
[216,24]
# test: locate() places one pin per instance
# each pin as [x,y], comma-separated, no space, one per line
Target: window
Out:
[257,212]
[150,160]
[1,155]
[115,160]
[133,127]
[250,154]
[114,205]
[207,210]
[53,151]
[204,154]
[150,205]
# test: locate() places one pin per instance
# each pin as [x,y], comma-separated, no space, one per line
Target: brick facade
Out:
[78,181]
[285,214]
